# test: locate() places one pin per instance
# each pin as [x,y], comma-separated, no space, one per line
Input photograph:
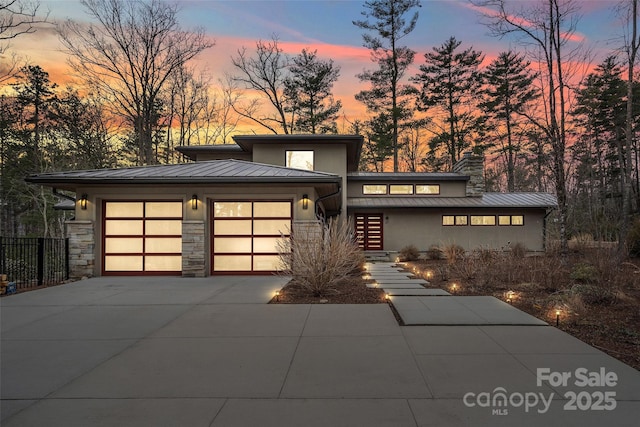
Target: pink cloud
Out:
[522,21]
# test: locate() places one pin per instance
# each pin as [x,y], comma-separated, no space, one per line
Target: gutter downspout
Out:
[319,199]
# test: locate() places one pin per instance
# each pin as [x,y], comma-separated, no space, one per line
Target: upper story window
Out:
[299,159]
[374,189]
[483,220]
[510,220]
[400,189]
[428,189]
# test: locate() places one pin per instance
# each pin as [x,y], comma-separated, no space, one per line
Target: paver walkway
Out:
[211,352]
[422,306]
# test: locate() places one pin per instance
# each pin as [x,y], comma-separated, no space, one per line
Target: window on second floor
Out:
[400,189]
[299,159]
[428,189]
[374,189]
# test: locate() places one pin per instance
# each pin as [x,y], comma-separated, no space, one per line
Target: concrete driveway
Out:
[211,352]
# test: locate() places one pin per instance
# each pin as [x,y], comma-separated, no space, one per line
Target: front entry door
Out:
[369,231]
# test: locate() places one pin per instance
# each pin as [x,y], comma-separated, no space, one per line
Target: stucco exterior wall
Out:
[423,228]
[330,158]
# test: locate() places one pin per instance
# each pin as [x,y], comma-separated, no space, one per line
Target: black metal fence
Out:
[34,261]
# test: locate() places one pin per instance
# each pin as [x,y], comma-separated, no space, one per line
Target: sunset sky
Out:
[323,25]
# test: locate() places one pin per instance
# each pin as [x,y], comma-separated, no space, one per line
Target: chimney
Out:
[472,165]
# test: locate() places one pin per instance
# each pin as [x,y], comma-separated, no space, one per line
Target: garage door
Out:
[142,237]
[245,235]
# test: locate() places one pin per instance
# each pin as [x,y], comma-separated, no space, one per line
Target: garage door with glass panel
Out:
[142,237]
[246,235]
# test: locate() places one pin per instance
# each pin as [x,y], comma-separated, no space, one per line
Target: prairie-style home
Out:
[224,212]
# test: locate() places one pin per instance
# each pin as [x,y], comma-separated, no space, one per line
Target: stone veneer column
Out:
[472,165]
[82,245]
[193,262]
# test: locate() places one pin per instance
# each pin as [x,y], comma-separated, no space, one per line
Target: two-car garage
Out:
[145,236]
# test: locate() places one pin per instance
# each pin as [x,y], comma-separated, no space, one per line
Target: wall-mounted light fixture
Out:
[194,202]
[83,202]
[305,201]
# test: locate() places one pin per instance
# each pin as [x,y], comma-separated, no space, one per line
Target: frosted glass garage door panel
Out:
[266,244]
[127,227]
[232,209]
[163,209]
[163,263]
[231,263]
[163,244]
[266,263]
[158,227]
[127,245]
[232,228]
[271,226]
[271,209]
[232,245]
[122,263]
[124,210]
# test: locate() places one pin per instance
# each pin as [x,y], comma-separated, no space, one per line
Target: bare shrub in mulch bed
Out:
[599,296]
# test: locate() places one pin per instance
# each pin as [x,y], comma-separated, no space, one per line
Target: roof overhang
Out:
[487,201]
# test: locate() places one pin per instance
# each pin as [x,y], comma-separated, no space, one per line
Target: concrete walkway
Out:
[210,352]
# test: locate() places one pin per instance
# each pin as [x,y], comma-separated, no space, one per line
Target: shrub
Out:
[319,256]
[519,250]
[633,238]
[434,252]
[453,252]
[594,294]
[584,273]
[484,255]
[409,253]
[581,241]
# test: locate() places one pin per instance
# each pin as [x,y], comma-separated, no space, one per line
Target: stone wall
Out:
[193,253]
[472,165]
[82,249]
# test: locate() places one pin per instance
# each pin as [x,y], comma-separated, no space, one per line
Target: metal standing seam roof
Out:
[210,171]
[488,200]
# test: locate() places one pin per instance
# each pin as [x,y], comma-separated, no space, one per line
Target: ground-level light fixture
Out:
[83,202]
[277,296]
[194,202]
[387,297]
[305,201]
[558,312]
[454,287]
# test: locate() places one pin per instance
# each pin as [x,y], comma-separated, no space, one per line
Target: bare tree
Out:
[265,73]
[17,17]
[129,56]
[628,10]
[545,29]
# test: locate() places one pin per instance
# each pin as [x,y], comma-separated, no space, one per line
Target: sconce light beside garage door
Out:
[83,202]
[194,202]
[305,201]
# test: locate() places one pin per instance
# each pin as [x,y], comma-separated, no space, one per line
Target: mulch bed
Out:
[350,291]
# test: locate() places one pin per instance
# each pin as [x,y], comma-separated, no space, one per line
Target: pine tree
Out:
[308,91]
[508,91]
[387,94]
[450,80]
